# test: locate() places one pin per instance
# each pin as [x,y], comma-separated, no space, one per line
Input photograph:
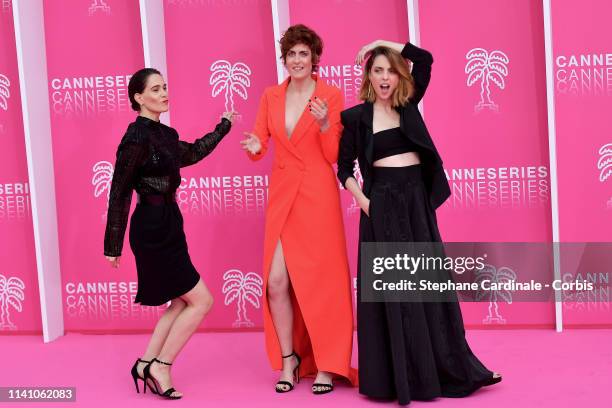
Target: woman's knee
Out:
[278,284]
[176,305]
[204,303]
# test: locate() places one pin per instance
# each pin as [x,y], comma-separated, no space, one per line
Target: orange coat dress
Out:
[304,213]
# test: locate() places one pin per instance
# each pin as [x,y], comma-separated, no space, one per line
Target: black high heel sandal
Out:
[164,394]
[326,388]
[136,376]
[296,375]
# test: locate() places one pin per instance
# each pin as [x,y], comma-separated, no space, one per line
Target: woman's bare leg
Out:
[281,310]
[162,328]
[198,303]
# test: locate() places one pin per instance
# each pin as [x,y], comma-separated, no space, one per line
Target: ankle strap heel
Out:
[286,386]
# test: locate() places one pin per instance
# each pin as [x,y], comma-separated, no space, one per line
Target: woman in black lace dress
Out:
[149,159]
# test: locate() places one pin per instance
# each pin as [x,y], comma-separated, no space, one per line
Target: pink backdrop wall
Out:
[343,38]
[583,100]
[223,198]
[19,299]
[491,130]
[92,48]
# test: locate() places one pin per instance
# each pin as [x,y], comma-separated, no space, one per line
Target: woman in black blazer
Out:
[407,350]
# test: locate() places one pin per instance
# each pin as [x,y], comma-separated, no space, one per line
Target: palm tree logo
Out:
[11,295]
[604,164]
[494,275]
[242,288]
[5,93]
[231,79]
[354,208]
[99,5]
[487,68]
[101,180]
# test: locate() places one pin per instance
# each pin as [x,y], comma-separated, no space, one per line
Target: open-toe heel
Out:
[162,393]
[320,388]
[296,375]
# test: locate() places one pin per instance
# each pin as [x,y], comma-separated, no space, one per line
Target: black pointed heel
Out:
[296,375]
[136,376]
[164,394]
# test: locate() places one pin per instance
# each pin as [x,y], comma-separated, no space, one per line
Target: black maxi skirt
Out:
[158,242]
[410,351]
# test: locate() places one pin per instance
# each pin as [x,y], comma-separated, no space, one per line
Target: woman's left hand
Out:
[318,109]
[229,115]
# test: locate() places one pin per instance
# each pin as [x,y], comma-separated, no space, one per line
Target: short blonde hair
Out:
[405,88]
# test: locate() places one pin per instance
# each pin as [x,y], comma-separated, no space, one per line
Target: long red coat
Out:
[304,213]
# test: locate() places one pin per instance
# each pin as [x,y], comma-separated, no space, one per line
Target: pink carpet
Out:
[541,368]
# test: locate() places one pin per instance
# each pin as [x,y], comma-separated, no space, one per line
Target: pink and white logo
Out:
[11,297]
[604,164]
[491,274]
[346,77]
[499,187]
[89,95]
[487,68]
[223,195]
[107,300]
[584,73]
[99,6]
[15,201]
[101,180]
[241,288]
[231,78]
[5,93]
[6,6]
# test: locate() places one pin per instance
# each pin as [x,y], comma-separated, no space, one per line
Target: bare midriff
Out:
[398,160]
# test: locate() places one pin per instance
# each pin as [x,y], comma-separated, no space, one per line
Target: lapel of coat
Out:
[307,119]
[367,119]
[278,117]
[410,121]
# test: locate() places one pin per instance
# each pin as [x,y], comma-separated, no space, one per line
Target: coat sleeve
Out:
[191,153]
[261,128]
[330,139]
[347,151]
[421,69]
[131,154]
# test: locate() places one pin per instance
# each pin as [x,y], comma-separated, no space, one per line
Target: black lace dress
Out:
[149,159]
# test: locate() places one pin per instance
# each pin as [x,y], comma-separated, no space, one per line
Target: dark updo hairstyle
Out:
[138,83]
[300,34]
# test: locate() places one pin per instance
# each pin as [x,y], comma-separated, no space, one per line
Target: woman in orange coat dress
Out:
[308,318]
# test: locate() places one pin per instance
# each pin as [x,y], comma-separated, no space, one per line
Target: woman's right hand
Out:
[252,144]
[365,206]
[114,260]
[365,50]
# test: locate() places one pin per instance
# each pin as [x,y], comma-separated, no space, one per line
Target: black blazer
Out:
[357,140]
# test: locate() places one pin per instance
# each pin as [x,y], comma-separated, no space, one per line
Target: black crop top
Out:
[390,142]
